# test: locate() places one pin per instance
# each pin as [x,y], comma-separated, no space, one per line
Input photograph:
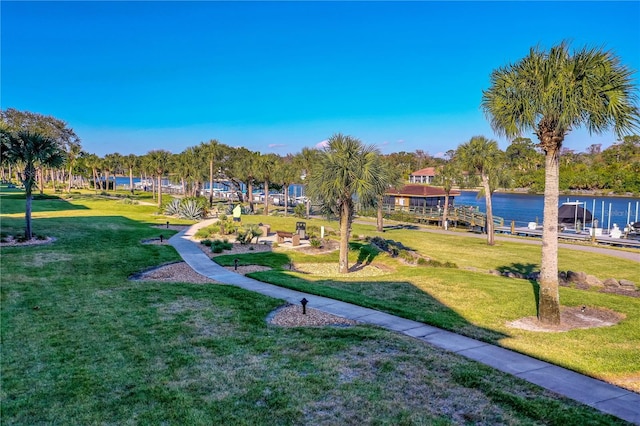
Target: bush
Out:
[191,209]
[172,208]
[299,210]
[315,243]
[247,233]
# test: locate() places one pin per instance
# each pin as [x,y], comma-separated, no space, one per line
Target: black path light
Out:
[161,237]
[235,264]
[304,302]
[167,224]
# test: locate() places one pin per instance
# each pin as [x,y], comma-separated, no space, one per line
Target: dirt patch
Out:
[573,318]
[331,270]
[174,272]
[10,241]
[172,227]
[247,269]
[156,241]
[292,316]
[328,246]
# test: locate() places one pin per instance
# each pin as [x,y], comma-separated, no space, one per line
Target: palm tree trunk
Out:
[286,199]
[343,267]
[445,211]
[41,178]
[379,216]
[211,183]
[159,190]
[548,298]
[266,198]
[131,179]
[487,198]
[250,195]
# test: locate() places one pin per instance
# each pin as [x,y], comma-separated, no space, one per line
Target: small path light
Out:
[304,302]
[167,224]
[235,264]
[161,237]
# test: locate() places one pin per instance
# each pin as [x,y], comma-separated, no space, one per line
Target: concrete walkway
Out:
[595,393]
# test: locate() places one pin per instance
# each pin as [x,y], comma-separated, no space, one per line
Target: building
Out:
[413,196]
[425,175]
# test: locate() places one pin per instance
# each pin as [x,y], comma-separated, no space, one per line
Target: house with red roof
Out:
[425,175]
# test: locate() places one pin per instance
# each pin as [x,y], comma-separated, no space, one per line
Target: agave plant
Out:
[190,209]
[247,233]
[172,208]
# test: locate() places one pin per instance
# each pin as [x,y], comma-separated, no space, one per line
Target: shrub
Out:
[216,249]
[315,243]
[299,210]
[191,209]
[206,243]
[247,233]
[172,208]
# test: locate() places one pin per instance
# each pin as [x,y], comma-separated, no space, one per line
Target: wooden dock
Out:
[574,236]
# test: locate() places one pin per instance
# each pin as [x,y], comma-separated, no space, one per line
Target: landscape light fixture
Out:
[304,302]
[235,264]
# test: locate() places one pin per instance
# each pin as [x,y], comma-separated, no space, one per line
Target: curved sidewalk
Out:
[595,393]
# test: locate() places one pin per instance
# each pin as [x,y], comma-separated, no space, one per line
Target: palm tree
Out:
[390,177]
[267,171]
[159,163]
[307,160]
[213,151]
[73,153]
[131,162]
[482,156]
[449,175]
[346,169]
[551,93]
[32,150]
[287,173]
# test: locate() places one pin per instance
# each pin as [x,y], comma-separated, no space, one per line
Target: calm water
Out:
[524,208]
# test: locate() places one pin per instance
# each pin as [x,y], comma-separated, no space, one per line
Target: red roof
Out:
[419,190]
[427,171]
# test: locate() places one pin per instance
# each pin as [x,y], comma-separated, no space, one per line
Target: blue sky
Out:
[129,77]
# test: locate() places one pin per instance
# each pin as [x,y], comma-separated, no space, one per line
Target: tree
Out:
[266,171]
[481,155]
[74,152]
[307,160]
[449,175]
[390,176]
[159,163]
[287,173]
[31,150]
[551,93]
[245,169]
[346,169]
[214,152]
[131,162]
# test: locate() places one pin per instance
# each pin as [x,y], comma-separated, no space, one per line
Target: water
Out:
[525,208]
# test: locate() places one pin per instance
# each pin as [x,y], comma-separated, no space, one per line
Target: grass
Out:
[82,344]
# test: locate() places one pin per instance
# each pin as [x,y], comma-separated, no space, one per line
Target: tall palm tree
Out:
[32,150]
[307,160]
[346,169]
[551,93]
[267,171]
[287,173]
[159,163]
[482,156]
[449,175]
[390,176]
[73,153]
[131,162]
[214,152]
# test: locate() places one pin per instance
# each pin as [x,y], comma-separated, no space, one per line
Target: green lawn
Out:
[82,344]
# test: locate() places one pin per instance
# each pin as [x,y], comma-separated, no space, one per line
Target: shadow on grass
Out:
[14,202]
[524,271]
[400,298]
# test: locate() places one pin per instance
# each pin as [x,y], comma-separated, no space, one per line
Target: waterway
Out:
[525,208]
[521,208]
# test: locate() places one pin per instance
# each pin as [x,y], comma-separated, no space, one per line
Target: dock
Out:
[632,241]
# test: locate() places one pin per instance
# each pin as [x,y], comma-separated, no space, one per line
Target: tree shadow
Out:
[525,271]
[366,252]
[13,203]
